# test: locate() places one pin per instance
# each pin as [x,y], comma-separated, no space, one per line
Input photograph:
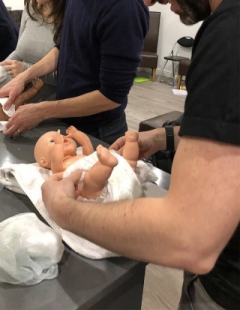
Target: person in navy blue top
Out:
[97,61]
[8,32]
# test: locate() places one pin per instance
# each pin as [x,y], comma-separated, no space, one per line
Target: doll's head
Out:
[45,144]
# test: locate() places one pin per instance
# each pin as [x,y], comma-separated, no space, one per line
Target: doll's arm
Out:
[81,138]
[57,154]
[29,93]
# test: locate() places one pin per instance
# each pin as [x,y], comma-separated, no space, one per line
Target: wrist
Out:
[47,109]
[70,216]
[64,211]
[27,75]
[160,139]
[169,137]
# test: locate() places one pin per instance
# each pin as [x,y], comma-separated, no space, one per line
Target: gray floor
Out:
[162,285]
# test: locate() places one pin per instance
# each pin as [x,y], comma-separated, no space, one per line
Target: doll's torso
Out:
[70,160]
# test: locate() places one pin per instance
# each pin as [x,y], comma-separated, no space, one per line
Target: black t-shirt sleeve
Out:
[212,108]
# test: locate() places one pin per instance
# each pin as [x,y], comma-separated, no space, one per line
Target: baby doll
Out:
[21,99]
[56,152]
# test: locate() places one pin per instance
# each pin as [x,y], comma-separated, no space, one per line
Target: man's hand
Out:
[146,141]
[14,67]
[57,195]
[71,131]
[25,118]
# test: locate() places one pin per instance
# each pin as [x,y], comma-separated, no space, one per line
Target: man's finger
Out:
[10,130]
[9,102]
[56,177]
[117,145]
[3,93]
[75,176]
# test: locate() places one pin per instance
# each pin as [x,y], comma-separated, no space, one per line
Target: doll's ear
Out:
[43,162]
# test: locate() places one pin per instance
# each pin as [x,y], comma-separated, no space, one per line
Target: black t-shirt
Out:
[212,111]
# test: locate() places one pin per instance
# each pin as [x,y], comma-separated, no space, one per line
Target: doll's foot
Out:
[131,148]
[37,84]
[105,157]
[131,136]
[3,115]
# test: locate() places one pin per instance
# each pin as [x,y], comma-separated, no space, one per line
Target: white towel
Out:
[123,184]
[3,125]
[10,112]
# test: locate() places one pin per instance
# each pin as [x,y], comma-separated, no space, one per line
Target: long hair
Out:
[58,7]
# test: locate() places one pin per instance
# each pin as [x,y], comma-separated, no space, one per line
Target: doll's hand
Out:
[58,139]
[71,131]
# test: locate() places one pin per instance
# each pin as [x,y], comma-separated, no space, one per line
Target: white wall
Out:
[14,4]
[171,29]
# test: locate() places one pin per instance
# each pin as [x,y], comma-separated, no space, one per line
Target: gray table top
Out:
[81,281]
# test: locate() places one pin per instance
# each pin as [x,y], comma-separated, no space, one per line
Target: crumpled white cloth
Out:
[10,112]
[124,183]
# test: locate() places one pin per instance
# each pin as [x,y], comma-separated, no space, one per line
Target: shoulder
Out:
[221,27]
[124,14]
[123,7]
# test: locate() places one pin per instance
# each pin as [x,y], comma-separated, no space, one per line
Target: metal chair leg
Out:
[173,70]
[159,78]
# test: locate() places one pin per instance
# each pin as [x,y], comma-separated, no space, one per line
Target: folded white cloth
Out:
[124,183]
[10,112]
[3,125]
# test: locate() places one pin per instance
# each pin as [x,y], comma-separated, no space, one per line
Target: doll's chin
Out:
[70,151]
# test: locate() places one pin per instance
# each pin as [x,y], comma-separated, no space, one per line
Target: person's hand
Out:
[57,195]
[58,139]
[14,67]
[146,144]
[71,132]
[12,90]
[25,118]
[118,145]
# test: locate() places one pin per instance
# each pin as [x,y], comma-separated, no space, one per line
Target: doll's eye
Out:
[51,141]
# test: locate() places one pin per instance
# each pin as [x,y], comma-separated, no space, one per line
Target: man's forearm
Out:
[84,105]
[46,65]
[132,222]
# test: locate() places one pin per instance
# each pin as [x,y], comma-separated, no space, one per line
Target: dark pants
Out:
[111,131]
[194,296]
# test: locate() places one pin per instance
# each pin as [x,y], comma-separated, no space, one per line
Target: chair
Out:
[182,70]
[16,16]
[158,121]
[186,42]
[149,53]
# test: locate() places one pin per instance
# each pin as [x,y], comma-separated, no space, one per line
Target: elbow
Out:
[200,262]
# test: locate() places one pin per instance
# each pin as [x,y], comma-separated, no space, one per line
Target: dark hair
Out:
[57,14]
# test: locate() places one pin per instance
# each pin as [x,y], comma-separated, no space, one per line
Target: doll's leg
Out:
[3,115]
[29,93]
[95,179]
[131,148]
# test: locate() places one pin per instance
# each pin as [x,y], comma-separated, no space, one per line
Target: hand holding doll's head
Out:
[43,151]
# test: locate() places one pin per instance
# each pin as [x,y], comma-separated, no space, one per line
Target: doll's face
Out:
[45,144]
